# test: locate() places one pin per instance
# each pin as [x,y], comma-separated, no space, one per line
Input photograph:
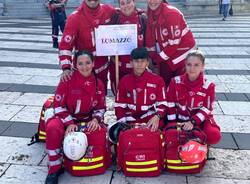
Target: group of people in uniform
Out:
[161,82]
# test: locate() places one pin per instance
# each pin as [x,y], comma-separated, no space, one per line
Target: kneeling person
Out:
[80,99]
[141,95]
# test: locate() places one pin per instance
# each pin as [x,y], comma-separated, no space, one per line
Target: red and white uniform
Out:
[140,98]
[80,99]
[188,100]
[125,66]
[168,40]
[79,35]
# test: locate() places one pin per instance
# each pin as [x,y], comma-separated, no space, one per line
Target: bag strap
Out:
[34,139]
[188,132]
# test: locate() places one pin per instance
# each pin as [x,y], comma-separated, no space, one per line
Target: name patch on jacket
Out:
[151,85]
[201,94]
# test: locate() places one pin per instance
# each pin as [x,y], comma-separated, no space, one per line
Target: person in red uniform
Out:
[168,39]
[128,14]
[191,97]
[80,99]
[79,34]
[58,18]
[141,96]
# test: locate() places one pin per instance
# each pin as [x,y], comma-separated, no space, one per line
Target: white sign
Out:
[115,39]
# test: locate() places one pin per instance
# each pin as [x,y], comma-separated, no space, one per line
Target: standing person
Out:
[58,18]
[168,39]
[79,34]
[141,95]
[128,14]
[225,7]
[220,6]
[80,99]
[191,97]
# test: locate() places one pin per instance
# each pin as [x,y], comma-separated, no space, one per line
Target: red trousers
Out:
[54,137]
[167,73]
[212,130]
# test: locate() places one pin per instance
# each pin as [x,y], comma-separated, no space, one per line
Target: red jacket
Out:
[80,98]
[140,98]
[168,38]
[190,100]
[79,33]
[135,18]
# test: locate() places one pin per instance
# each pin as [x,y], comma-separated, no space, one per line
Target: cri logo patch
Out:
[165,32]
[140,157]
[58,97]
[152,96]
[67,38]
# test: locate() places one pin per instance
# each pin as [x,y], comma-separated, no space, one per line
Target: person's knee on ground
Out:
[212,131]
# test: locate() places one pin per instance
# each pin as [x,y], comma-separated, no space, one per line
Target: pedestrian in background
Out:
[58,18]
[225,6]
[220,7]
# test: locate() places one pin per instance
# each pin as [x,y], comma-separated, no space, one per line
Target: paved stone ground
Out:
[29,73]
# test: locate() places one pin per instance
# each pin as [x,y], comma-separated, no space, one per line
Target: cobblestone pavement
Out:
[29,73]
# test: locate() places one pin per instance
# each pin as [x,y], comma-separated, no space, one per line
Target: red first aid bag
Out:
[40,136]
[97,158]
[174,138]
[140,152]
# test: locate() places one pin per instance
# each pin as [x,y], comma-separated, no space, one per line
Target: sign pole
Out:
[116,71]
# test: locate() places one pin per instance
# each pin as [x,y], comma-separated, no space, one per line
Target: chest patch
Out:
[58,97]
[99,92]
[191,93]
[87,83]
[138,90]
[151,85]
[165,32]
[94,103]
[201,94]
[152,96]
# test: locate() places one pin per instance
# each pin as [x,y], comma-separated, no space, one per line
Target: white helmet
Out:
[75,145]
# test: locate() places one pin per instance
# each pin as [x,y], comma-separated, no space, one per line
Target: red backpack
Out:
[174,137]
[140,152]
[97,158]
[40,136]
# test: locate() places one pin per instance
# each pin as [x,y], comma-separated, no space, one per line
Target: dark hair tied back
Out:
[84,52]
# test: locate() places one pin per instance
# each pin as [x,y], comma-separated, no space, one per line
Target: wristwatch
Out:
[193,121]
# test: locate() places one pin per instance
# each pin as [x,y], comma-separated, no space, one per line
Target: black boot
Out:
[53,178]
[55,44]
